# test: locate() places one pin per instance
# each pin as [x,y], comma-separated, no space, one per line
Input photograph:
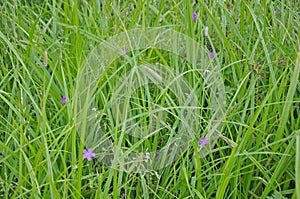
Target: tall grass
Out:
[44,44]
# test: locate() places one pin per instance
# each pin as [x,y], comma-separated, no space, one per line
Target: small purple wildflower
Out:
[203,141]
[63,99]
[299,47]
[276,9]
[88,154]
[212,54]
[124,51]
[194,16]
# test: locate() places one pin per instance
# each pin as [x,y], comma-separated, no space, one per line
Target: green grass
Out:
[43,47]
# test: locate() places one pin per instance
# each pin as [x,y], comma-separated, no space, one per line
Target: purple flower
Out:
[88,154]
[212,54]
[194,16]
[63,99]
[124,51]
[299,47]
[276,9]
[203,141]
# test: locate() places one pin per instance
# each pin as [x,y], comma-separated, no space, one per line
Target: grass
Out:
[44,48]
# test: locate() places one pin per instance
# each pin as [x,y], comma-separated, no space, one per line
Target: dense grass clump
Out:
[255,47]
